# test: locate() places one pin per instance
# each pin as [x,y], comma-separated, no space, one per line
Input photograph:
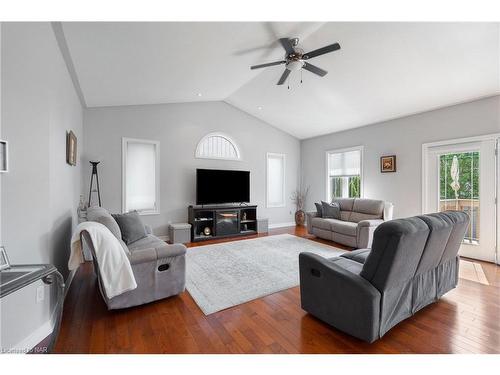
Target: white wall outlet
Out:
[40,294]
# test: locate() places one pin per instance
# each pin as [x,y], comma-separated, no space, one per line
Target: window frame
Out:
[222,135]
[359,148]
[125,142]
[283,157]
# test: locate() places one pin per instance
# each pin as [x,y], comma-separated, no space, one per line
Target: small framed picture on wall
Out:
[388,164]
[71,148]
[4,156]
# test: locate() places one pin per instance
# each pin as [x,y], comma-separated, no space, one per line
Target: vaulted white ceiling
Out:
[383,70]
[128,63]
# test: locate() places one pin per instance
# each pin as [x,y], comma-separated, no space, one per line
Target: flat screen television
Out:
[214,186]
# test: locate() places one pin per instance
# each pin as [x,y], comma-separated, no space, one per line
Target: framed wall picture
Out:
[4,156]
[71,148]
[4,259]
[388,164]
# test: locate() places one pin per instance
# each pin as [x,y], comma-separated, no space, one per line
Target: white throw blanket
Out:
[116,273]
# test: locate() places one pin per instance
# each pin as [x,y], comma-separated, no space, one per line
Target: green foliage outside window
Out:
[468,177]
[354,187]
[337,186]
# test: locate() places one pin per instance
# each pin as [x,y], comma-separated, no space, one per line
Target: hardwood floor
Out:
[466,320]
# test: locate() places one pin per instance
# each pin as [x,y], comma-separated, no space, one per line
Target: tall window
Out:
[140,175]
[275,180]
[344,173]
[217,146]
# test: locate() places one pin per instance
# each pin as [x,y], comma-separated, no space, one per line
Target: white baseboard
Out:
[282,225]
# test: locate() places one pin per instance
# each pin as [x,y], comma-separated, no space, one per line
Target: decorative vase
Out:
[82,210]
[300,217]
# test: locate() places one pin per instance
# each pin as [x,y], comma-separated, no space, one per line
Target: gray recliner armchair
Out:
[412,263]
[159,268]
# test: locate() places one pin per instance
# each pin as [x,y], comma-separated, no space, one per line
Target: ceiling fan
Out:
[296,59]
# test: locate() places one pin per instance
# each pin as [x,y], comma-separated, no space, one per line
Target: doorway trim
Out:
[425,153]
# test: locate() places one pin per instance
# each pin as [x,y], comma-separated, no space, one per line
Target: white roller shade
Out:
[275,180]
[345,163]
[141,176]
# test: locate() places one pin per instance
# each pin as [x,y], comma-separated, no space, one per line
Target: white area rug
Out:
[228,274]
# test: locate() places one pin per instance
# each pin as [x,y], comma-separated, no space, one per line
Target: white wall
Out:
[39,103]
[40,192]
[179,127]
[401,137]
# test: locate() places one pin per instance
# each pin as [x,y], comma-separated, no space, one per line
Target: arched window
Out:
[217,146]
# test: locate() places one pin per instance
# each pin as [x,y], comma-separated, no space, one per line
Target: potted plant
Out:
[298,197]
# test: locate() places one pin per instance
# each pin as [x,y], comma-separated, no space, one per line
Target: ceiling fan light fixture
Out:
[295,57]
[294,65]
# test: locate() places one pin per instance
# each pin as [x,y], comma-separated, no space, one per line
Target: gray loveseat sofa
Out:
[159,268]
[358,220]
[413,262]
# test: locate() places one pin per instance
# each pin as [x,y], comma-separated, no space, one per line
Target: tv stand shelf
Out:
[210,222]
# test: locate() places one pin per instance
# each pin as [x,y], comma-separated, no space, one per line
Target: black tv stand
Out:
[221,221]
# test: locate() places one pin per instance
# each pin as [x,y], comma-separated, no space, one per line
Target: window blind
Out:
[140,176]
[344,163]
[275,180]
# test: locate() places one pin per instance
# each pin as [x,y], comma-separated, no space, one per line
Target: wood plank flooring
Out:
[466,320]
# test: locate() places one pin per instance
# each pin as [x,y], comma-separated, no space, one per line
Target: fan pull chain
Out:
[301,75]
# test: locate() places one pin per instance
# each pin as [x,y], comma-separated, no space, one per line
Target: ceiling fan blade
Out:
[267,64]
[321,51]
[314,69]
[284,76]
[287,45]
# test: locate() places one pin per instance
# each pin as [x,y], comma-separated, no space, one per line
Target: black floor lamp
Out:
[97,190]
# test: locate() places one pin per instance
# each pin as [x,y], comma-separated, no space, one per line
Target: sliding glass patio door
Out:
[462,176]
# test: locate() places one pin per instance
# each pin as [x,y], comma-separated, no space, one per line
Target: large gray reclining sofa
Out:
[159,268]
[412,263]
[358,220]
